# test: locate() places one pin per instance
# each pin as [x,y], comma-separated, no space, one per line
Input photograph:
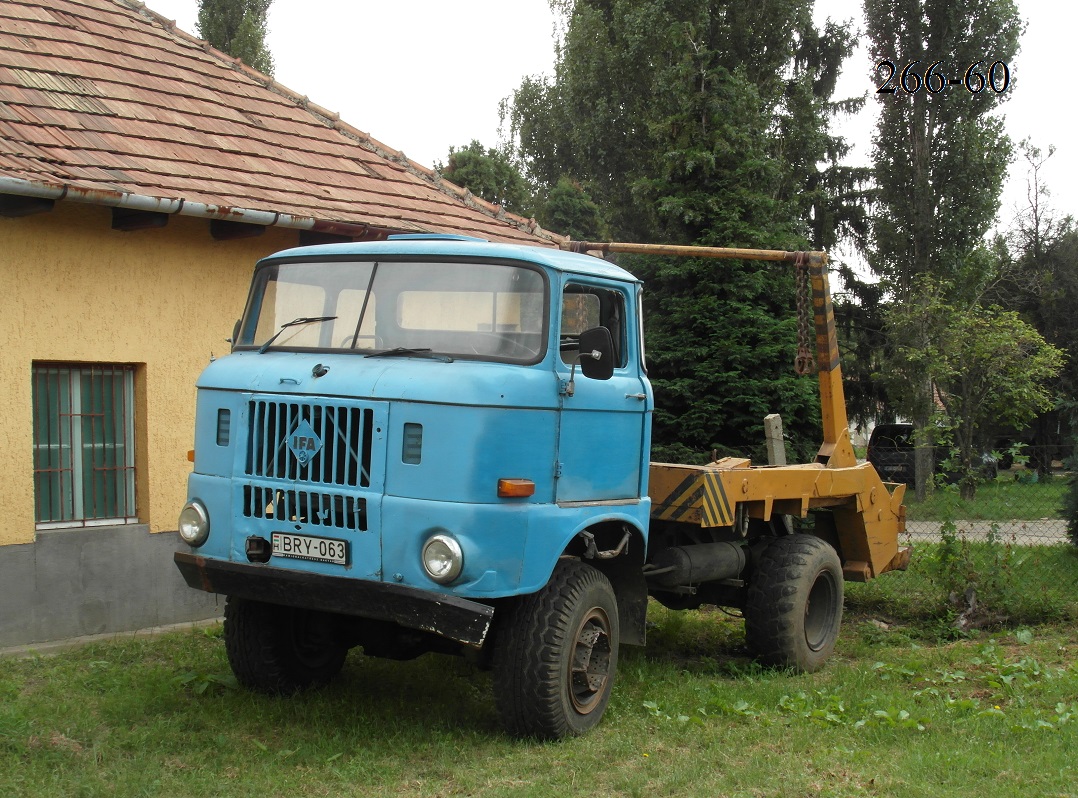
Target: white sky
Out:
[423,75]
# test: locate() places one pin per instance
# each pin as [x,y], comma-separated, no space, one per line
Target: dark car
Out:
[890,450]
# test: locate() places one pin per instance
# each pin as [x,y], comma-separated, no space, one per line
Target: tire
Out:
[280,650]
[556,654]
[793,610]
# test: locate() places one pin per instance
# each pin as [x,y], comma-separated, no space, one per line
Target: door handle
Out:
[640,396]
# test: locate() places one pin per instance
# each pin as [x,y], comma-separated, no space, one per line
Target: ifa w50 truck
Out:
[434,443]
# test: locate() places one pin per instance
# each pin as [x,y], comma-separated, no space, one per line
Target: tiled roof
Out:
[105,101]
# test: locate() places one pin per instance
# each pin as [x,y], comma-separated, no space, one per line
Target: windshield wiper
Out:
[403,351]
[293,323]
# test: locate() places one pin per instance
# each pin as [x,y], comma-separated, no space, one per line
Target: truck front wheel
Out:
[794,605]
[556,654]
[275,649]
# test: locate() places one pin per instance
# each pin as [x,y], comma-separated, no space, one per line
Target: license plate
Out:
[308,547]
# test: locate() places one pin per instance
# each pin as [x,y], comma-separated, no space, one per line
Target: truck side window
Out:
[586,306]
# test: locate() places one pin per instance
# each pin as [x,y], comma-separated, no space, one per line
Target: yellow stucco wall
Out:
[73,289]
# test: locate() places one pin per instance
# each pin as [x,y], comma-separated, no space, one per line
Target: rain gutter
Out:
[142,202]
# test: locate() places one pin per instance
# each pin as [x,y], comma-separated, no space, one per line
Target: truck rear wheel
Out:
[556,654]
[275,649]
[794,605]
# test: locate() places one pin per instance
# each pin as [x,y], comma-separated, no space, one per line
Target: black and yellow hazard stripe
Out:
[680,502]
[826,340]
[701,497]
[717,508]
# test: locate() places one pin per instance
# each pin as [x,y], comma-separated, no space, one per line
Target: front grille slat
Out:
[334,510]
[344,433]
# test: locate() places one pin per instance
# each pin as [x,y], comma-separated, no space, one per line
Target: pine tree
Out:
[489,174]
[701,123]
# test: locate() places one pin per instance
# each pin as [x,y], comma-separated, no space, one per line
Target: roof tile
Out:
[107,96]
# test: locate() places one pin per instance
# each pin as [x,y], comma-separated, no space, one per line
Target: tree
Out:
[700,123]
[863,346]
[568,210]
[984,365]
[489,174]
[1043,287]
[237,27]
[940,157]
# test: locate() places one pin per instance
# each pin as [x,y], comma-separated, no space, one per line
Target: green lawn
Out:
[896,712]
[1002,499]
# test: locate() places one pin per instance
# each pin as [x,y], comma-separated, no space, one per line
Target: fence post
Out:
[776,447]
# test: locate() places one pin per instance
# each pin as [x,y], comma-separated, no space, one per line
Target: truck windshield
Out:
[487,311]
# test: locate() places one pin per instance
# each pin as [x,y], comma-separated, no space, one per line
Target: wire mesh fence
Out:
[1003,556]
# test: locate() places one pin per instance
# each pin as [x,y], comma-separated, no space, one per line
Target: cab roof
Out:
[446,246]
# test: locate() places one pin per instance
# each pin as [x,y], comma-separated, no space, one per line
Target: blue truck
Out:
[439,444]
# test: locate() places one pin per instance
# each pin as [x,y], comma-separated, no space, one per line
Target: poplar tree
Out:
[940,157]
[940,153]
[237,27]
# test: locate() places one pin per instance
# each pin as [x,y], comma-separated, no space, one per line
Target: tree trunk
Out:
[924,461]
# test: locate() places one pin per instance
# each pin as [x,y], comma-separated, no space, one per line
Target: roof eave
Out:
[181,207]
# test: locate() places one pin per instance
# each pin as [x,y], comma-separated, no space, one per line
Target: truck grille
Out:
[339,451]
[305,507]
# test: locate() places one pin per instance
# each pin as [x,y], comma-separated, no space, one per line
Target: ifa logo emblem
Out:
[304,443]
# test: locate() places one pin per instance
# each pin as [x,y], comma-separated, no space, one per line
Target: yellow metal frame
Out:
[868,513]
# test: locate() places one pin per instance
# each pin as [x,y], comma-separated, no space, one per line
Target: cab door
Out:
[603,435]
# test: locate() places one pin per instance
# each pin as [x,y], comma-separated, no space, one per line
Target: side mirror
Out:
[235,334]
[596,353]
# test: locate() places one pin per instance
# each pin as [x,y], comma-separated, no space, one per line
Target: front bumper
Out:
[455,618]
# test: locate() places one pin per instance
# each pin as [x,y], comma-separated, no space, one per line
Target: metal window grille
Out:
[84,444]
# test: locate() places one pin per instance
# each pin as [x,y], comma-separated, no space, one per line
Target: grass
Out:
[1002,499]
[896,712]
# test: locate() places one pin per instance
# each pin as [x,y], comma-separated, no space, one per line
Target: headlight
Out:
[194,523]
[442,558]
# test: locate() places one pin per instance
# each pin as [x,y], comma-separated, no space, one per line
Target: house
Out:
[142,174]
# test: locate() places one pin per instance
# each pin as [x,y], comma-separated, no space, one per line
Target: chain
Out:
[804,363]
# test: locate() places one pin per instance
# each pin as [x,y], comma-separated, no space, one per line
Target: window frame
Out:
[575,285]
[60,423]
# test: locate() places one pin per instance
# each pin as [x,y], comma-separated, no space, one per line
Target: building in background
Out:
[142,174]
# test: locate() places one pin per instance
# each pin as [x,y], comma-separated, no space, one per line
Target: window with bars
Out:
[84,444]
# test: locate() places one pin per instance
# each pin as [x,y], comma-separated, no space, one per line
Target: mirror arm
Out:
[594,354]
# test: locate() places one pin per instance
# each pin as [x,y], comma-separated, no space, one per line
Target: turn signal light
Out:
[190,455]
[515,488]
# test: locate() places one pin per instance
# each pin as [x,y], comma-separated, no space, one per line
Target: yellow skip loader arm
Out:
[867,513]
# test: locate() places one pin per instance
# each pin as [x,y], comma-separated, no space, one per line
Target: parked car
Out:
[891,451]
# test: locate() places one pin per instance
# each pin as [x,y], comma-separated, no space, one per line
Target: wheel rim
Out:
[820,611]
[590,663]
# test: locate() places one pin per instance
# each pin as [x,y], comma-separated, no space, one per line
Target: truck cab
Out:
[407,435]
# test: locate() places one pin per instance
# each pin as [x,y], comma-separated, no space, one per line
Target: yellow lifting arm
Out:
[868,514]
[836,450]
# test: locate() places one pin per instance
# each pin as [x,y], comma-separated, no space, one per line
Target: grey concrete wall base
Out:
[99,580]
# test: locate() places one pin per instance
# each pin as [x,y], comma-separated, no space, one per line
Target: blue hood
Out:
[416,379]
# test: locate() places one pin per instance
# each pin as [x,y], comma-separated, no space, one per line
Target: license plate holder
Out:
[310,547]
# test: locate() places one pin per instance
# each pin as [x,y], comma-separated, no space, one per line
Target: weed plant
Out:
[1011,584]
